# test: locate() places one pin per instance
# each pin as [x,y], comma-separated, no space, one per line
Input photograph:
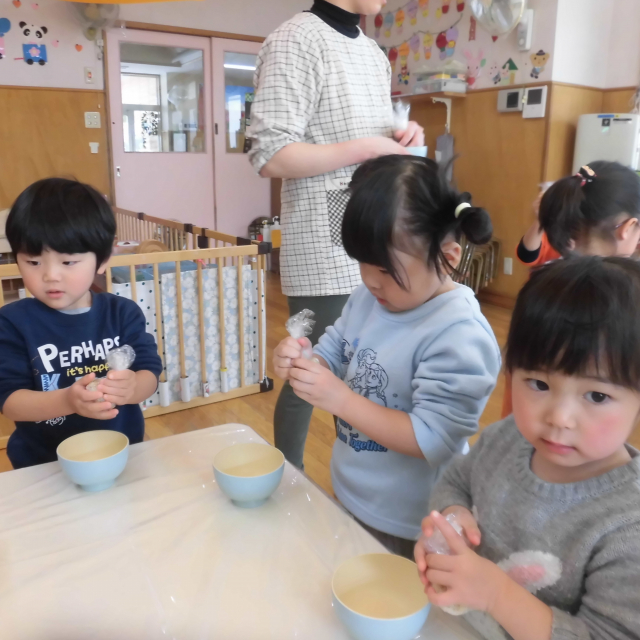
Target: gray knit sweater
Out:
[575,546]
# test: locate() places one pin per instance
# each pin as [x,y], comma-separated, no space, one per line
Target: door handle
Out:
[118,171]
[216,128]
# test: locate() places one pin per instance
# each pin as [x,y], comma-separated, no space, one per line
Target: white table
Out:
[164,554]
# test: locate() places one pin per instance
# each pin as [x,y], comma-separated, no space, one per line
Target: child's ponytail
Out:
[474,222]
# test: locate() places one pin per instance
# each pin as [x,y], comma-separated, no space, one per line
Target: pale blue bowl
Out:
[248,473]
[379,596]
[94,459]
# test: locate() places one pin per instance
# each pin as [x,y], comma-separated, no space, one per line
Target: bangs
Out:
[368,224]
[579,317]
[64,216]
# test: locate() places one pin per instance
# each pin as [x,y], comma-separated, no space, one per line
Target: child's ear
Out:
[103,267]
[452,251]
[625,230]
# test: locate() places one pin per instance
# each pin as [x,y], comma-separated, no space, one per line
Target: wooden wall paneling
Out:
[500,162]
[43,135]
[618,100]
[566,105]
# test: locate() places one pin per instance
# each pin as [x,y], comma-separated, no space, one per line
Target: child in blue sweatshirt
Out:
[61,233]
[409,366]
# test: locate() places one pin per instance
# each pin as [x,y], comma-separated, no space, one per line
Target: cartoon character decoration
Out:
[5,27]
[378,24]
[539,61]
[412,11]
[399,20]
[393,56]
[424,7]
[494,73]
[441,43]
[474,67]
[404,50]
[452,37]
[427,43]
[370,379]
[33,51]
[388,24]
[414,43]
[508,72]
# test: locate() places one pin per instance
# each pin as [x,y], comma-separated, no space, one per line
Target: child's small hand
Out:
[287,351]
[318,386]
[470,580]
[119,387]
[470,529]
[84,402]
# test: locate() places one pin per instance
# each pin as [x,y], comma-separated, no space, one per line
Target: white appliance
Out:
[608,136]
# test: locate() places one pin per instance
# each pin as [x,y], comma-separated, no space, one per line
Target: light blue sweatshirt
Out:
[439,363]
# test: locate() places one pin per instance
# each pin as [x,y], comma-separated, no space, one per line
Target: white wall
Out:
[65,65]
[248,17]
[624,45]
[582,47]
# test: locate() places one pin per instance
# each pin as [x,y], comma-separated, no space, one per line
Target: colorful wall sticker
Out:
[539,61]
[5,27]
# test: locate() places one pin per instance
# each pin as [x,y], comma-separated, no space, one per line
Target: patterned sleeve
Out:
[288,81]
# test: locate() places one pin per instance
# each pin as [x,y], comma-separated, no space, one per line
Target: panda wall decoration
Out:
[34,50]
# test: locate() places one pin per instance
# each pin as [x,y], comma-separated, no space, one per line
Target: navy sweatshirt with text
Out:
[42,349]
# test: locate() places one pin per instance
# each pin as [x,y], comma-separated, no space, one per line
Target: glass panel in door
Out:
[162,99]
[238,96]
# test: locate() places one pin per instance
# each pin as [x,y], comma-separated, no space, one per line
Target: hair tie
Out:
[460,208]
[586,175]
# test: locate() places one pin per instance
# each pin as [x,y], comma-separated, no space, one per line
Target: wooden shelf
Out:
[419,97]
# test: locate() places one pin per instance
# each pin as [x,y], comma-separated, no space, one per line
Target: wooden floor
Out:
[257,410]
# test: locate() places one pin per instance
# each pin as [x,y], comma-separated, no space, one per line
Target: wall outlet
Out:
[92,119]
[508,266]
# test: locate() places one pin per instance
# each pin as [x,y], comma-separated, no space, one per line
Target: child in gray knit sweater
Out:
[549,498]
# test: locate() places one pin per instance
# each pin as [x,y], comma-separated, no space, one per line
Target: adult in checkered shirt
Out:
[322,107]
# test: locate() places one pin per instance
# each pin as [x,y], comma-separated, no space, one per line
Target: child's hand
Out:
[288,350]
[412,136]
[470,529]
[318,386]
[83,402]
[119,387]
[470,580]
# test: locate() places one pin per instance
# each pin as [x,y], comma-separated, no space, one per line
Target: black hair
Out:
[577,206]
[62,215]
[579,316]
[400,198]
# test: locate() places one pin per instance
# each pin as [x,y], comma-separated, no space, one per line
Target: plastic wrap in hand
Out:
[437,544]
[300,326]
[118,359]
[401,115]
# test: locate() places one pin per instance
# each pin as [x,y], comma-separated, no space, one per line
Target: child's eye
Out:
[33,263]
[597,397]
[69,263]
[537,385]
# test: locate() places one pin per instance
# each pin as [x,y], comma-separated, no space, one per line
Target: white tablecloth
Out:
[164,554]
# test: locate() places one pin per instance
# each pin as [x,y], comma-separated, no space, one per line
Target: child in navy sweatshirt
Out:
[53,345]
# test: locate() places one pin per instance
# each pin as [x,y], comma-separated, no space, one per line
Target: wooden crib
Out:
[204,305]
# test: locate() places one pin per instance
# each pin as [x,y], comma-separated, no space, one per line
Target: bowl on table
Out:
[94,459]
[248,473]
[379,596]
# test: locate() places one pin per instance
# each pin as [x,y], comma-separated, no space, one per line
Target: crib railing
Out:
[177,236]
[224,270]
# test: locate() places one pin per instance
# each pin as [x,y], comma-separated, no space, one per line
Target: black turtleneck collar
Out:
[342,21]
